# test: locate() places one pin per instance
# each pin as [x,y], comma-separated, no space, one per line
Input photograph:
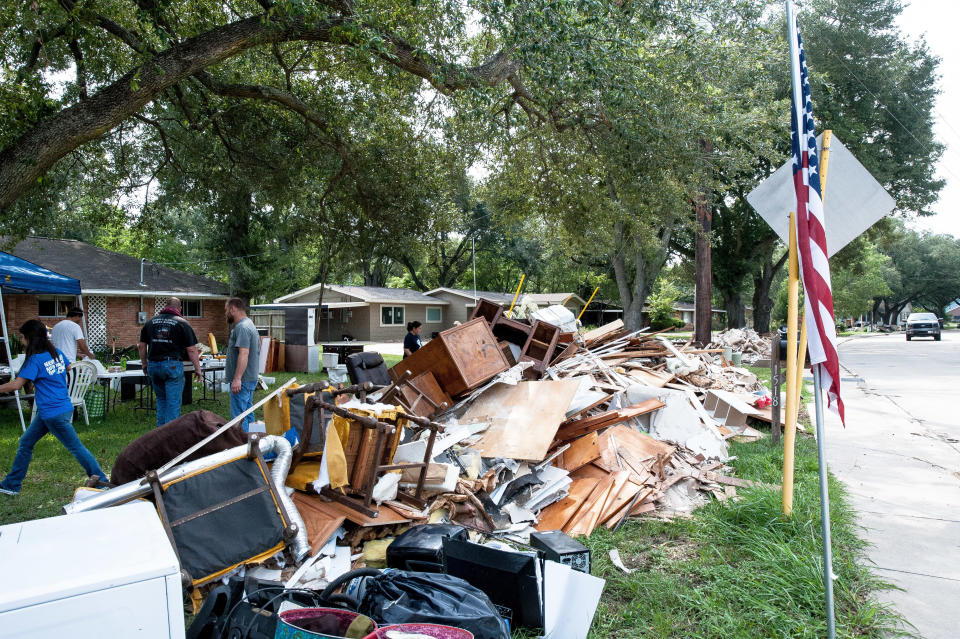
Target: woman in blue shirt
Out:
[46,367]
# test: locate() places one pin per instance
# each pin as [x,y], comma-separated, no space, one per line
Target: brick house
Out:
[115,299]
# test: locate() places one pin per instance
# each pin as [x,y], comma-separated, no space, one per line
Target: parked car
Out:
[923,325]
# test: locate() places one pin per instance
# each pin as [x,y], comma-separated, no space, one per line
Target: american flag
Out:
[811,234]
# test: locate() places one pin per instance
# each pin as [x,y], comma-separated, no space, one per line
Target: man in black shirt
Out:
[412,343]
[165,341]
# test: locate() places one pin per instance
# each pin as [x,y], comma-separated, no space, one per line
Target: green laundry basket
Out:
[95,399]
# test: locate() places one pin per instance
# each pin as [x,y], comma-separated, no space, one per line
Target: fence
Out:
[270,323]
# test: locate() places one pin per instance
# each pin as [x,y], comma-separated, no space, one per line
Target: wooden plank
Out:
[645,507]
[600,402]
[555,516]
[604,331]
[523,418]
[590,470]
[630,461]
[642,495]
[581,452]
[596,422]
[385,517]
[621,500]
[620,480]
[578,524]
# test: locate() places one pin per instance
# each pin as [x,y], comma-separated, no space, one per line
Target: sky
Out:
[936,21]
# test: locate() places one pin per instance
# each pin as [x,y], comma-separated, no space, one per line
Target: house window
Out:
[434,315]
[53,306]
[391,316]
[193,308]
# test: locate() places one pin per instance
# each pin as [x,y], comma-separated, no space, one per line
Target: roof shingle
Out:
[102,270]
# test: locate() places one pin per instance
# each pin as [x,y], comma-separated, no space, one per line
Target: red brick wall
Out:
[122,327]
[121,317]
[213,321]
[19,309]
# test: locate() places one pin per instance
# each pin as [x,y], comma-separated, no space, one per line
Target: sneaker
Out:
[7,491]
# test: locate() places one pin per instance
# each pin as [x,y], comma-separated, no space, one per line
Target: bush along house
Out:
[119,292]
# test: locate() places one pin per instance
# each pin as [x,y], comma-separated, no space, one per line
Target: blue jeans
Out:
[241,401]
[167,378]
[62,429]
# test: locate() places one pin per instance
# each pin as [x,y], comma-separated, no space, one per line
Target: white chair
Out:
[16,365]
[83,374]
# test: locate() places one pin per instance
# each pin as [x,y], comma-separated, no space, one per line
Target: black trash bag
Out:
[399,596]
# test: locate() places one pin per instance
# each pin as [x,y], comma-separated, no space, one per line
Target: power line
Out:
[202,262]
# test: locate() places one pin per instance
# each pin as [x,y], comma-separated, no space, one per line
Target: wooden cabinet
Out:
[461,358]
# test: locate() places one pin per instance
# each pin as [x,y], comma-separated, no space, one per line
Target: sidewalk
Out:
[903,477]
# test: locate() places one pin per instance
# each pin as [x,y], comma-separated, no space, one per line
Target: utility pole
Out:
[704,283]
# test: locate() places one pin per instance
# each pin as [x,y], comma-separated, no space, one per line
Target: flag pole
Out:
[790,423]
[824,505]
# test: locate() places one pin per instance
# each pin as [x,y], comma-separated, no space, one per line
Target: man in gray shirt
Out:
[243,358]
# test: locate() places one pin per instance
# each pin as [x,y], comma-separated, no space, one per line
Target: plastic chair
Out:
[84,374]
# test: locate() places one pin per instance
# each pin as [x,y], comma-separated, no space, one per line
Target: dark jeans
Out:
[62,429]
[167,379]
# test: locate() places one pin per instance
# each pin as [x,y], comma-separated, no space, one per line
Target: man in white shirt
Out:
[67,335]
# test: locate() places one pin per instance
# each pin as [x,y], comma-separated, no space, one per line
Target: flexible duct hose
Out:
[281,466]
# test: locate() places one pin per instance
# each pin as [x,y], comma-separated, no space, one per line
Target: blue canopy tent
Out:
[20,276]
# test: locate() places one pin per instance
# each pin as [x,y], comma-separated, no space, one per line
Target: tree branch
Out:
[81,69]
[29,157]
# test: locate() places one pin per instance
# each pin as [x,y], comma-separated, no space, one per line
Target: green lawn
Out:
[740,569]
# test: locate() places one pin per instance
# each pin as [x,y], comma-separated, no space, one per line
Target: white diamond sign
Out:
[853,199]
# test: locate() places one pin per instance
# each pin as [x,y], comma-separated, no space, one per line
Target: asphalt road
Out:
[900,459]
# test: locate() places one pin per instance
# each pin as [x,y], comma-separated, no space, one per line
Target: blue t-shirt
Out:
[49,377]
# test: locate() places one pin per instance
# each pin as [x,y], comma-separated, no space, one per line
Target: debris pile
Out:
[754,346]
[503,432]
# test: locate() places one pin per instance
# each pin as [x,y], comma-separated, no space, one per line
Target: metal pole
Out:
[824,505]
[473,250]
[775,383]
[6,344]
[83,319]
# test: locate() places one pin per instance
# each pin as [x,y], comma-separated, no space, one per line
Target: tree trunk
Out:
[762,303]
[240,205]
[736,312]
[703,314]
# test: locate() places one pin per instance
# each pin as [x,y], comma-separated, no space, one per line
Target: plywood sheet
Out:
[590,470]
[523,418]
[579,524]
[581,452]
[655,379]
[320,522]
[555,516]
[640,445]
